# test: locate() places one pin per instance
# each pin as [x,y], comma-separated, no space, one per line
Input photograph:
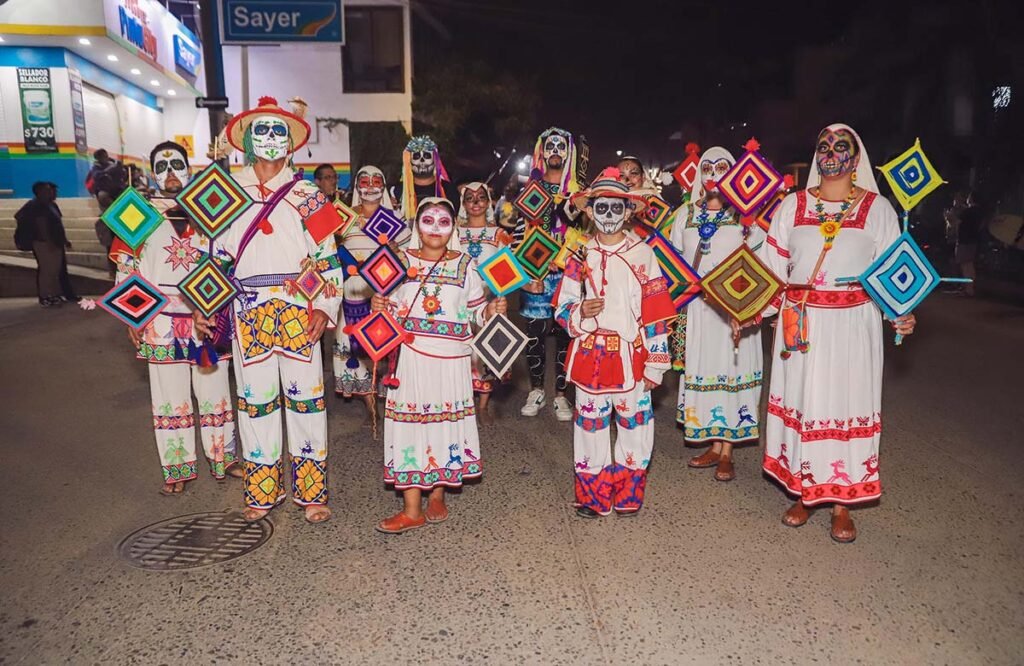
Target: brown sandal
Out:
[436,512]
[843,530]
[796,516]
[707,459]
[725,470]
[399,523]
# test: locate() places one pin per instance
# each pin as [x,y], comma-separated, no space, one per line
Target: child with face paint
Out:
[169,344]
[480,239]
[554,169]
[430,433]
[824,419]
[353,370]
[614,303]
[720,387]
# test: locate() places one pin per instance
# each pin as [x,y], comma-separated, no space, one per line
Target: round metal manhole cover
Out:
[194,540]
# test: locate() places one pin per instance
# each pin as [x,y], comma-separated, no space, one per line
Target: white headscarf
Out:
[370,170]
[453,240]
[713,154]
[463,215]
[865,174]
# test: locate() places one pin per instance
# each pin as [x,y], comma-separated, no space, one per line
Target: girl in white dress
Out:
[430,434]
[824,418]
[720,388]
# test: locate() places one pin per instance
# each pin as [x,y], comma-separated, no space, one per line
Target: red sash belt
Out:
[836,298]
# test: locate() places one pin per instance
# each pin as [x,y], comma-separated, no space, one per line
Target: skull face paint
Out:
[713,170]
[631,174]
[435,221]
[370,184]
[170,169]
[554,151]
[609,214]
[269,138]
[423,163]
[836,154]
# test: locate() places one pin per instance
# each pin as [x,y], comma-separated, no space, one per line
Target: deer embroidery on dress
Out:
[408,459]
[717,415]
[805,473]
[783,460]
[583,464]
[744,413]
[691,416]
[453,458]
[839,473]
[431,461]
[871,465]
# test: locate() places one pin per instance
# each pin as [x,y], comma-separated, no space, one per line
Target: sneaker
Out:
[563,410]
[71,299]
[534,401]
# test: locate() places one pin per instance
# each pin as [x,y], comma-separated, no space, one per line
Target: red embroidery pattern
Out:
[805,218]
[822,492]
[835,298]
[783,252]
[843,430]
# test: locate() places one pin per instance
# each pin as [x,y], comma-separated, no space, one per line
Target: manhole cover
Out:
[194,540]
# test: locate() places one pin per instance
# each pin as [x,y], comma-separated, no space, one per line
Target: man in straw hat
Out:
[277,330]
[614,302]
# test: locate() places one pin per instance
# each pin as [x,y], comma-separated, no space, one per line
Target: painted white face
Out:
[555,150]
[171,171]
[435,220]
[269,138]
[370,185]
[423,163]
[713,170]
[609,214]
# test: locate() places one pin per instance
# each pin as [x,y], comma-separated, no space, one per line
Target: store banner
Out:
[37,109]
[78,111]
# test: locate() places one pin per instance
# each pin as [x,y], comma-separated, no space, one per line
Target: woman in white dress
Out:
[825,400]
[430,434]
[720,387]
[480,238]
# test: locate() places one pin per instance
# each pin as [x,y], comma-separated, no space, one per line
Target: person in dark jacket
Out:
[41,218]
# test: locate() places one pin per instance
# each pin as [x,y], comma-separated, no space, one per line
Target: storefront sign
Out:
[186,55]
[37,109]
[78,110]
[271,21]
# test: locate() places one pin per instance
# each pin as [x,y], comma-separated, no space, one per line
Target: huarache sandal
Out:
[707,459]
[843,529]
[436,512]
[796,515]
[400,522]
[725,470]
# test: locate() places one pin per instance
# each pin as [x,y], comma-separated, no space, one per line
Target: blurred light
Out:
[154,82]
[1001,97]
[172,92]
[1,39]
[136,71]
[84,41]
[111,57]
[497,154]
[618,153]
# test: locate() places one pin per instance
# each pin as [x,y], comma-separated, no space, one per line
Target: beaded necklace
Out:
[706,228]
[474,244]
[829,225]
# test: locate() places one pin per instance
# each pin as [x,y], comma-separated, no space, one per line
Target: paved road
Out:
[705,574]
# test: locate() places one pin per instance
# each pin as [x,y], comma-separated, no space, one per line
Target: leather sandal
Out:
[843,529]
[436,512]
[400,522]
[796,515]
[725,471]
[707,459]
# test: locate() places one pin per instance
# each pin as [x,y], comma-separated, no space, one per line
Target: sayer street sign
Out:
[270,21]
[211,102]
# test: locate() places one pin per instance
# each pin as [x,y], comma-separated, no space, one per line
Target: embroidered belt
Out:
[268,280]
[835,298]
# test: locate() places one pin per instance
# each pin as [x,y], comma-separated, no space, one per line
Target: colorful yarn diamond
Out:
[320,217]
[764,216]
[213,200]
[533,200]
[310,283]
[383,270]
[742,286]
[574,240]
[751,181]
[686,173]
[208,288]
[683,281]
[378,334]
[502,272]
[537,251]
[384,224]
[657,213]
[135,301]
[132,218]
[900,278]
[499,343]
[911,176]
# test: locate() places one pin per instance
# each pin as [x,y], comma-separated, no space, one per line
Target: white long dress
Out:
[430,433]
[824,408]
[720,390]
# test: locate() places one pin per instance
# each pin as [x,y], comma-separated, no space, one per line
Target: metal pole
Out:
[245,78]
[213,62]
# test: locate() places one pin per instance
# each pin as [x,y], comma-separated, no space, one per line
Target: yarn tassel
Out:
[208,357]
[178,352]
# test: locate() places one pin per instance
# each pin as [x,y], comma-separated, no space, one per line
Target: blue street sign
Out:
[186,55]
[272,21]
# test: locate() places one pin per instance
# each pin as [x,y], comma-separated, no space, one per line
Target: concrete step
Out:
[71,207]
[96,260]
[88,244]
